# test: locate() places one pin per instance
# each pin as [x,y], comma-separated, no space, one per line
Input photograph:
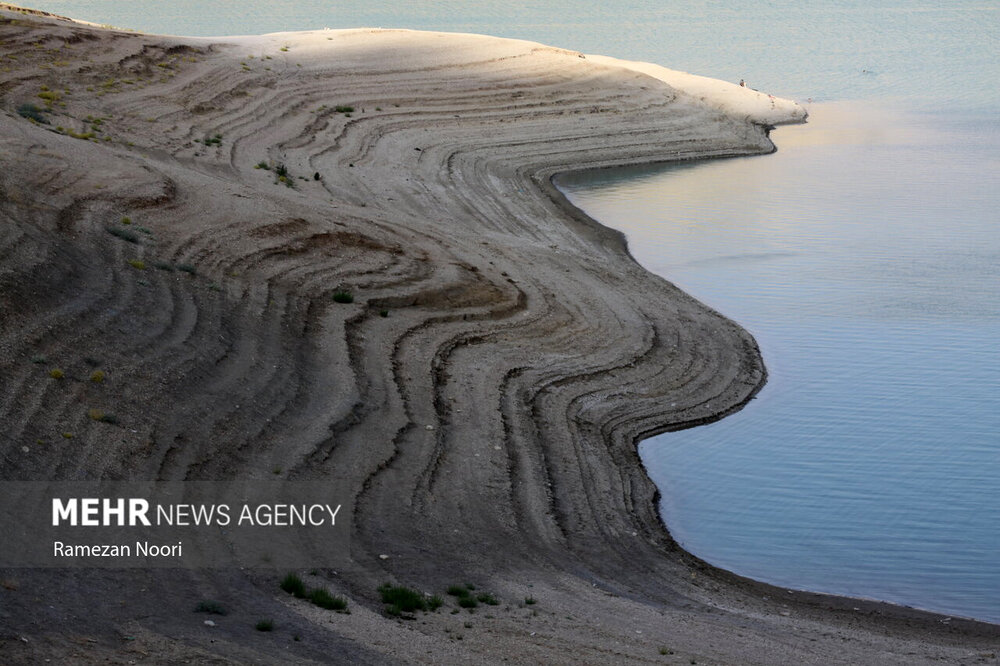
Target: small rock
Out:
[25,449]
[209,623]
[383,556]
[429,427]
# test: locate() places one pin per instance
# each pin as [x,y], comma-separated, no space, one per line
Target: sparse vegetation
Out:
[211,607]
[344,109]
[487,599]
[458,590]
[530,601]
[342,297]
[215,140]
[56,373]
[163,265]
[383,313]
[124,234]
[294,586]
[32,112]
[137,264]
[434,602]
[264,625]
[324,599]
[39,359]
[97,376]
[187,268]
[262,165]
[467,601]
[126,220]
[399,599]
[103,417]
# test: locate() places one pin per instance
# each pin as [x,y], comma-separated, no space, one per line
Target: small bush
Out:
[529,601]
[137,264]
[103,417]
[281,170]
[294,586]
[342,297]
[467,602]
[32,112]
[264,625]
[187,268]
[126,220]
[434,602]
[383,313]
[39,359]
[97,376]
[324,599]
[124,234]
[211,607]
[458,590]
[56,373]
[487,599]
[163,265]
[399,599]
[344,109]
[262,165]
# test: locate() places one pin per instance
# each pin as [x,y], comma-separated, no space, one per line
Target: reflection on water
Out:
[865,258]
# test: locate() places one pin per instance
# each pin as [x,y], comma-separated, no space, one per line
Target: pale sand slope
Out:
[518,329]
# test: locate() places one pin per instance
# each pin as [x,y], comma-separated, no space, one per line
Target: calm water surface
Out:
[863,256]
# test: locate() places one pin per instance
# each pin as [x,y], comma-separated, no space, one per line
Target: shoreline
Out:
[490,418]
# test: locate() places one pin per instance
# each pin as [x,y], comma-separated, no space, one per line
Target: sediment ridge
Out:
[189,216]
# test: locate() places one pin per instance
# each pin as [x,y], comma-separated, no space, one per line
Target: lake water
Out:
[863,256]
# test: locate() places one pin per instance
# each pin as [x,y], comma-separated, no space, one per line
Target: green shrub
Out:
[212,607]
[530,601]
[56,373]
[163,265]
[124,234]
[324,599]
[97,376]
[434,602]
[467,602]
[342,297]
[32,112]
[262,165]
[264,625]
[187,268]
[458,590]
[294,586]
[344,109]
[399,599]
[137,264]
[487,599]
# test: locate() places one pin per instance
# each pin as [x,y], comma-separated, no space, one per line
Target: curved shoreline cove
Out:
[338,255]
[868,464]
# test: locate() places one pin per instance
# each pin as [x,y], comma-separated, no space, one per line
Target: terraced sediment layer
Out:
[181,214]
